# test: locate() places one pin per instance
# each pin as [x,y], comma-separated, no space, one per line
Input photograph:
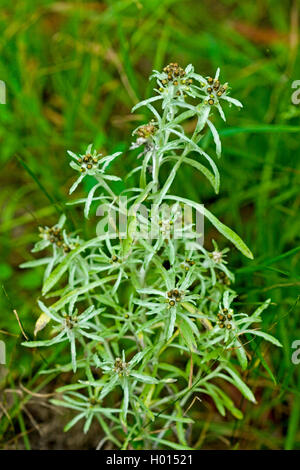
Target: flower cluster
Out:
[92,163]
[174,296]
[55,236]
[214,90]
[225,318]
[145,135]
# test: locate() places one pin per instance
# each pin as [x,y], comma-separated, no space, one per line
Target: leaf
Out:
[41,322]
[226,231]
[109,386]
[176,419]
[187,334]
[171,444]
[202,318]
[138,357]
[89,200]
[228,403]
[215,137]
[88,423]
[77,182]
[171,323]
[69,387]
[237,381]
[131,223]
[125,403]
[195,148]
[34,263]
[173,369]
[241,354]
[261,308]
[265,365]
[74,421]
[198,166]
[145,102]
[52,314]
[264,335]
[232,101]
[147,379]
[80,290]
[36,344]
[63,266]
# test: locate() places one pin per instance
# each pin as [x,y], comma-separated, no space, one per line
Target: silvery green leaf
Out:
[110,177]
[261,308]
[144,378]
[232,100]
[61,221]
[221,111]
[73,351]
[64,265]
[66,405]
[216,137]
[125,386]
[109,386]
[72,154]
[145,102]
[237,381]
[89,200]
[171,323]
[49,311]
[74,421]
[35,344]
[198,166]
[88,423]
[241,354]
[217,73]
[203,114]
[75,166]
[264,335]
[138,357]
[77,182]
[105,161]
[226,231]
[189,69]
[34,263]
[40,245]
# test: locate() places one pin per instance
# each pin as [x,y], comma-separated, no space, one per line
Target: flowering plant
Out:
[150,319]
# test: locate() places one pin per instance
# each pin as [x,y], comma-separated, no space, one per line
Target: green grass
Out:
[73,70]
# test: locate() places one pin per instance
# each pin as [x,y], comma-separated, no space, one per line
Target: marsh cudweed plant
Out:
[148,323]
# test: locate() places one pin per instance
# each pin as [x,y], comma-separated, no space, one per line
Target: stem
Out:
[175,168]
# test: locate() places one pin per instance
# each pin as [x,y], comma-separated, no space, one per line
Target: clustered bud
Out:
[214,90]
[223,278]
[174,296]
[54,235]
[120,367]
[175,75]
[225,318]
[187,264]
[70,321]
[146,131]
[88,162]
[217,256]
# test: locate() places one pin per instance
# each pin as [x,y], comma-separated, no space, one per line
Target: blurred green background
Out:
[73,70]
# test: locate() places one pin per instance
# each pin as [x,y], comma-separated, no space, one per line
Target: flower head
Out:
[56,236]
[213,92]
[91,163]
[175,82]
[145,136]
